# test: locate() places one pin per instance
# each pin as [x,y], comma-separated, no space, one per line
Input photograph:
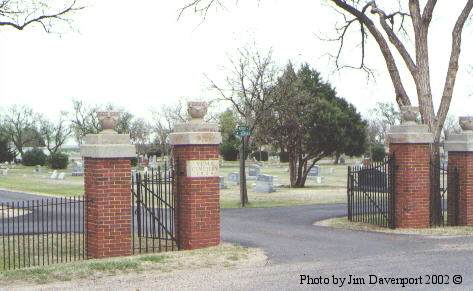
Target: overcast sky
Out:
[138,56]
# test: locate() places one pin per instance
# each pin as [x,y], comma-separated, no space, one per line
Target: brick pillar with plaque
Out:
[195,150]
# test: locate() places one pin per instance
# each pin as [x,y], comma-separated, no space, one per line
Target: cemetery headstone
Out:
[314,171]
[37,169]
[264,184]
[53,175]
[5,172]
[152,162]
[254,170]
[342,161]
[234,178]
[221,182]
[61,176]
[77,169]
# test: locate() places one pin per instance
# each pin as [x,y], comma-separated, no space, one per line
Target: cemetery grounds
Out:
[331,190]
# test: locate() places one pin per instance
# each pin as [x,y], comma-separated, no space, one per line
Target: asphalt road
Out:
[296,247]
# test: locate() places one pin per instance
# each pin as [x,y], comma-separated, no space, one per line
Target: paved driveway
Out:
[295,247]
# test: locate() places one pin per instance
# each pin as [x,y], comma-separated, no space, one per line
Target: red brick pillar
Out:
[107,171]
[460,156]
[411,145]
[195,148]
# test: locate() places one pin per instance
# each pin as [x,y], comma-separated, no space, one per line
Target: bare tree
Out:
[164,120]
[387,27]
[451,126]
[19,14]
[419,65]
[140,131]
[84,120]
[20,126]
[56,133]
[250,75]
[381,118]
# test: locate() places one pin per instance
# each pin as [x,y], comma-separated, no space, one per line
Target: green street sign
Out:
[242,130]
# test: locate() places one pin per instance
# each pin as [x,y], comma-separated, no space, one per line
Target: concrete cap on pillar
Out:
[108,143]
[462,142]
[196,130]
[409,131]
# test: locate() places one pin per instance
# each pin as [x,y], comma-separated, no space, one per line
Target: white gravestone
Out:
[221,182]
[78,169]
[53,175]
[264,184]
[314,171]
[61,176]
[254,170]
[234,178]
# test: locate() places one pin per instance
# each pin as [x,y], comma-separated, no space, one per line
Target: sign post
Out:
[243,131]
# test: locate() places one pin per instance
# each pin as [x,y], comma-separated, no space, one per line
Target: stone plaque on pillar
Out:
[195,148]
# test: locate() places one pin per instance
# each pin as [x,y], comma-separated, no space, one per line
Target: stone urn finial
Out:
[466,123]
[197,110]
[409,114]
[108,121]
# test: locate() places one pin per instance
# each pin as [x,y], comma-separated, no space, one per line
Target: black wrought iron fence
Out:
[42,232]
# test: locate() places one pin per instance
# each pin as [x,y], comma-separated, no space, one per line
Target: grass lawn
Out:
[343,223]
[331,190]
[20,251]
[223,256]
[24,179]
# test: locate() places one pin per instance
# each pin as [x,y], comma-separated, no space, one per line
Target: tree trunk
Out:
[337,159]
[292,168]
[301,173]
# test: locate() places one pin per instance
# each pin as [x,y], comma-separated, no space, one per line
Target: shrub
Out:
[260,156]
[58,161]
[34,157]
[6,153]
[229,151]
[154,152]
[378,152]
[134,162]
[283,157]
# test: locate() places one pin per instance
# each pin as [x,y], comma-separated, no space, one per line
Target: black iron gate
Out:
[444,187]
[371,193]
[154,210]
